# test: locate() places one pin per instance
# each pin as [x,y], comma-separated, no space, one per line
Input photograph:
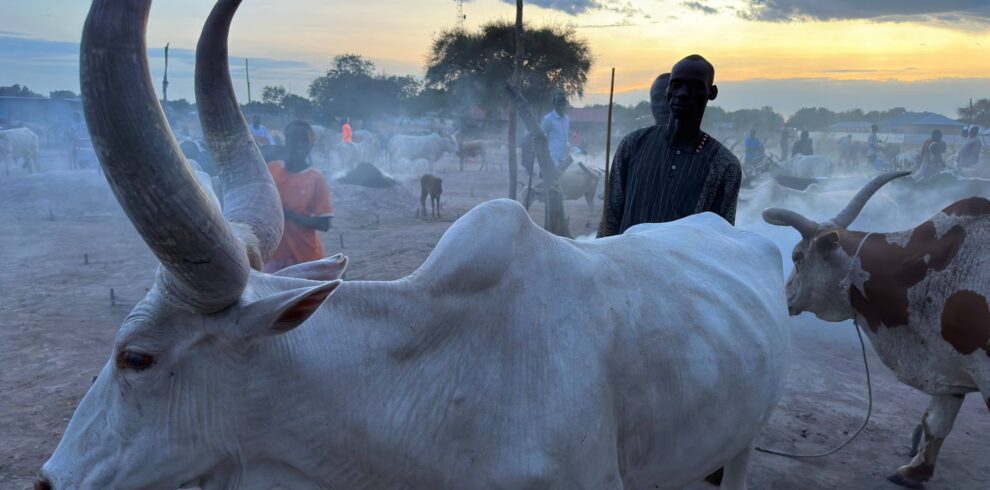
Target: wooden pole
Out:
[608,141]
[513,117]
[247,76]
[165,78]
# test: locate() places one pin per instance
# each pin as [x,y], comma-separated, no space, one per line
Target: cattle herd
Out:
[511,358]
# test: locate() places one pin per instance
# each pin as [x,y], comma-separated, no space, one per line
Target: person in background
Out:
[969,154]
[347,136]
[658,100]
[260,132]
[665,173]
[305,200]
[785,141]
[845,151]
[803,145]
[874,147]
[754,149]
[931,157]
[557,126]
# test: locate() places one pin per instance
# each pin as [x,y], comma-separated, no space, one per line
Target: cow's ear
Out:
[283,311]
[828,242]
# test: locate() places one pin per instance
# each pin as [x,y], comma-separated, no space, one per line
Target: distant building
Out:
[917,126]
[38,110]
[850,127]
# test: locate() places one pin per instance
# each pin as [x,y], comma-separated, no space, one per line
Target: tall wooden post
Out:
[247,76]
[513,116]
[165,78]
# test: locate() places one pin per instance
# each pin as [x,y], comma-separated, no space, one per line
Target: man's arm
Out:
[612,209]
[725,201]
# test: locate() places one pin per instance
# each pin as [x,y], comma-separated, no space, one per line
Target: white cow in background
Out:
[808,166]
[19,144]
[431,147]
[363,149]
[325,141]
[512,358]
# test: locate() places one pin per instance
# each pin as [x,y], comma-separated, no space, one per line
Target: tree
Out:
[16,90]
[877,116]
[976,113]
[181,106]
[351,88]
[273,94]
[298,107]
[812,119]
[62,94]
[474,65]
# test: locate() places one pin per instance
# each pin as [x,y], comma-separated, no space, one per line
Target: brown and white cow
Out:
[920,296]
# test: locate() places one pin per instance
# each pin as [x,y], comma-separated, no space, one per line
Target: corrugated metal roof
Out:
[920,119]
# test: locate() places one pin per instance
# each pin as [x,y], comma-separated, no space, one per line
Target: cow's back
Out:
[644,338]
[699,363]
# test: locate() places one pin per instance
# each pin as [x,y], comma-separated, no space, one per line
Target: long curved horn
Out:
[786,217]
[251,201]
[852,210]
[206,268]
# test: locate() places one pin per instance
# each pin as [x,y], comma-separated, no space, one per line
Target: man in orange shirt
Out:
[305,200]
[345,130]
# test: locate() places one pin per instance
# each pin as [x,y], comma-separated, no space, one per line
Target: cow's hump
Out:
[478,249]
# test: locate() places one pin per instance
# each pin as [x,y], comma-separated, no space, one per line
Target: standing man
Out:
[931,157]
[785,141]
[557,126]
[345,131]
[658,99]
[873,148]
[754,149]
[969,154]
[261,134]
[305,200]
[803,145]
[664,173]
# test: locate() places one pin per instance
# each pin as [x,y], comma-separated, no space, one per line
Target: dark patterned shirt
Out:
[652,182]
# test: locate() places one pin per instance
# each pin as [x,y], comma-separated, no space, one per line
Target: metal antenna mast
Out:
[460,14]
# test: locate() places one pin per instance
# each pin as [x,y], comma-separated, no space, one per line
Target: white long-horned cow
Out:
[921,295]
[19,144]
[664,364]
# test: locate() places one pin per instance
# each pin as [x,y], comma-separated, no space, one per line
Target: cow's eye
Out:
[137,361]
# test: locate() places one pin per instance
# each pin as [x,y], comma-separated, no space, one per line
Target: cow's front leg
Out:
[936,424]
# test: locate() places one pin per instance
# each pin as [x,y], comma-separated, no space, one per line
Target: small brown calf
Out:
[432,186]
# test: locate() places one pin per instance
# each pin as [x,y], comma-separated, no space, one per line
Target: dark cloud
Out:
[569,7]
[938,11]
[625,8]
[700,7]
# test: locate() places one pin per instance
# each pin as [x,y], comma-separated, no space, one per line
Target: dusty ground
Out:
[57,324]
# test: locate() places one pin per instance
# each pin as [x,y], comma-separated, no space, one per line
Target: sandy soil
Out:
[57,324]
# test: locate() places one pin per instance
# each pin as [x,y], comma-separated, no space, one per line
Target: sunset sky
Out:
[924,55]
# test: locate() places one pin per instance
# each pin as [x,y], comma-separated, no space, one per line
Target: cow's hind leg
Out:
[734,471]
[936,424]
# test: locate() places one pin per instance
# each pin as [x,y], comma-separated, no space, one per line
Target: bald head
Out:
[692,85]
[658,99]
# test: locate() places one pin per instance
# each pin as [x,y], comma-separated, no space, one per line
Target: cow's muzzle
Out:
[42,484]
[793,311]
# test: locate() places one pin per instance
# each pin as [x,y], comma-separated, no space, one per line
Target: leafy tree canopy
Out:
[16,90]
[352,88]
[473,66]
